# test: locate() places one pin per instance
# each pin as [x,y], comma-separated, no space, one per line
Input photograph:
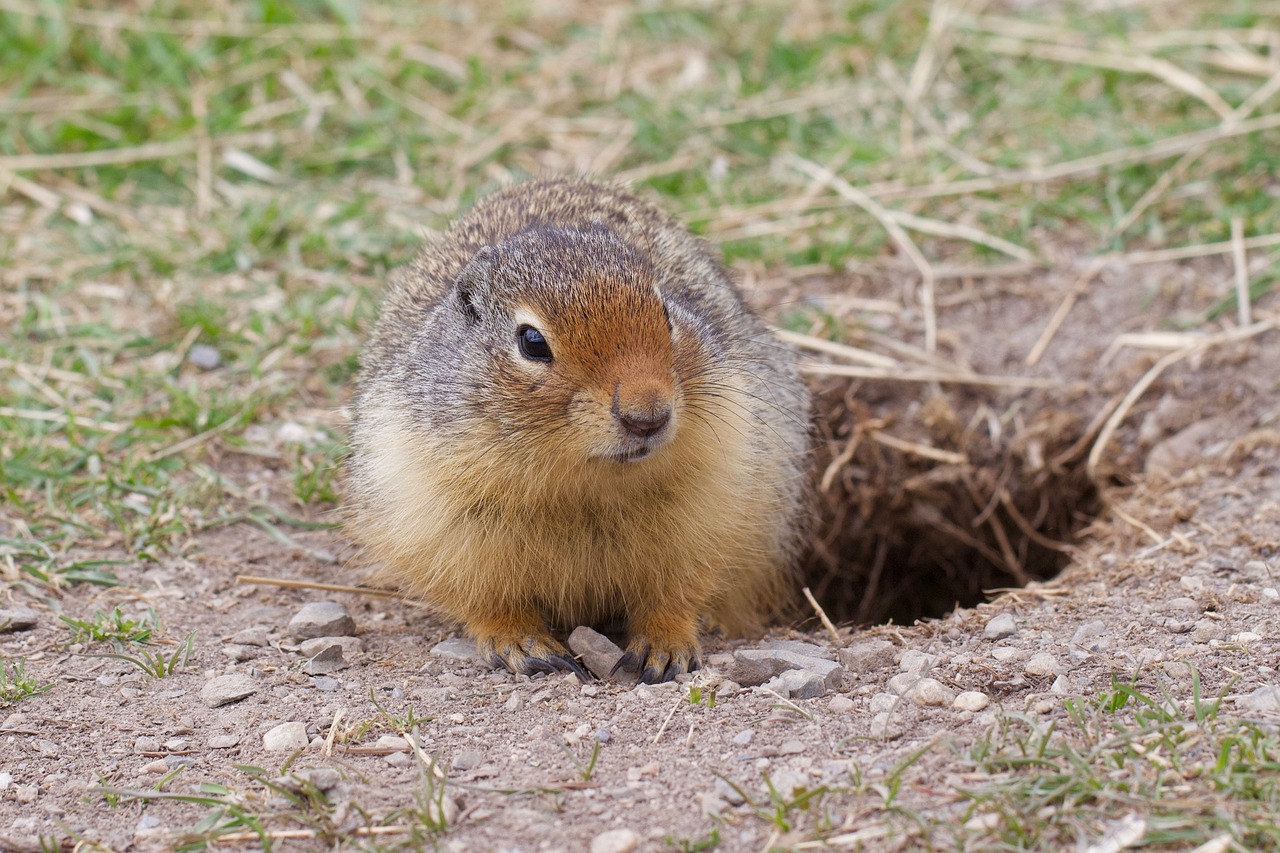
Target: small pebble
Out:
[1000,626]
[1041,663]
[326,683]
[970,700]
[17,619]
[883,727]
[223,741]
[812,650]
[882,702]
[351,646]
[398,759]
[797,684]
[204,357]
[27,793]
[321,619]
[1263,700]
[1182,605]
[791,747]
[286,736]
[1245,638]
[457,648]
[326,661]
[1204,631]
[252,636]
[467,759]
[931,692]
[226,689]
[744,737]
[867,656]
[840,704]
[917,662]
[615,841]
[599,654]
[146,744]
[1062,686]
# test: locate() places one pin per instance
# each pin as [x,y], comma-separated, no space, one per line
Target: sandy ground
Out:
[1181,569]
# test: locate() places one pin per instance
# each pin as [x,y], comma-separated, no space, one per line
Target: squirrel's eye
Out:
[533,345]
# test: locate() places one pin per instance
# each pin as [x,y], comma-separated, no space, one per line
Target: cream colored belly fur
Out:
[474,532]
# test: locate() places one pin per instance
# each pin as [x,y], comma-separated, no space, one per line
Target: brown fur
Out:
[489,484]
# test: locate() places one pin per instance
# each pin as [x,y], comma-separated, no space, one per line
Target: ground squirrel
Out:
[566,415]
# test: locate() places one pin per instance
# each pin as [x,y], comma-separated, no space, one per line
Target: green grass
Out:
[16,684]
[113,627]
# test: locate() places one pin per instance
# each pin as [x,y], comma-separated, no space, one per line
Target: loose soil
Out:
[1180,554]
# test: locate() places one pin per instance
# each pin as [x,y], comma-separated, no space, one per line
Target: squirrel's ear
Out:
[473,281]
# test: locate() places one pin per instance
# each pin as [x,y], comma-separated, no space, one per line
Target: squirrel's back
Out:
[567,415]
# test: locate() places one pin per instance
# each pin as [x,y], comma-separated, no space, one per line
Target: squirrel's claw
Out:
[530,655]
[658,664]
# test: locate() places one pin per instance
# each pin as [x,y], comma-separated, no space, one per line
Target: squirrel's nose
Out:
[645,424]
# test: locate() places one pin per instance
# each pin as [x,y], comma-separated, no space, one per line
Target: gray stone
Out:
[797,684]
[929,691]
[867,656]
[1000,626]
[970,700]
[146,744]
[327,660]
[902,682]
[1090,638]
[598,652]
[467,759]
[322,778]
[882,702]
[884,727]
[840,704]
[1182,604]
[17,619]
[1041,663]
[917,662]
[1265,699]
[204,356]
[458,648]
[325,683]
[812,650]
[321,619]
[744,737]
[754,667]
[351,646]
[253,636]
[1204,631]
[239,653]
[615,841]
[226,689]
[791,747]
[223,741]
[286,736]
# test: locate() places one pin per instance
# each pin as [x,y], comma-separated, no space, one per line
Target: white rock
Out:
[970,700]
[458,648]
[351,646]
[615,841]
[226,689]
[1000,626]
[811,650]
[1204,631]
[727,792]
[321,619]
[744,737]
[1041,663]
[1245,638]
[917,662]
[1182,604]
[867,656]
[883,727]
[286,736]
[1264,699]
[902,682]
[840,704]
[797,684]
[756,666]
[1062,686]
[223,741]
[931,691]
[882,702]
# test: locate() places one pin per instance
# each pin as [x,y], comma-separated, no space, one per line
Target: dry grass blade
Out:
[286,583]
[844,351]
[1239,257]
[141,153]
[885,218]
[1084,166]
[916,375]
[1077,289]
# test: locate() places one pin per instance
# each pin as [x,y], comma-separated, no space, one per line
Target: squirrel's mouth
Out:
[632,455]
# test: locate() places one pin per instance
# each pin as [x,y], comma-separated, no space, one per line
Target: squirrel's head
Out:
[584,354]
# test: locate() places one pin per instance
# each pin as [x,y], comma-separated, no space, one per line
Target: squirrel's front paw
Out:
[661,649]
[526,651]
